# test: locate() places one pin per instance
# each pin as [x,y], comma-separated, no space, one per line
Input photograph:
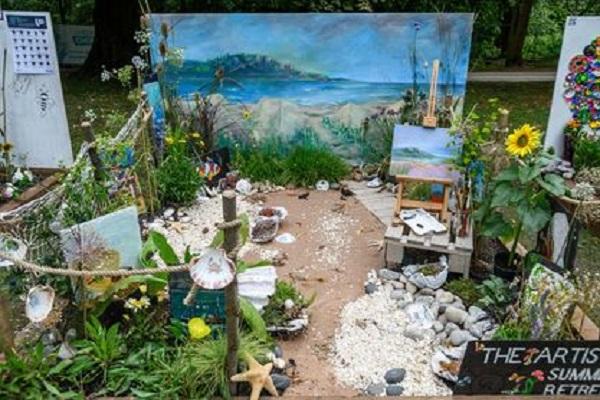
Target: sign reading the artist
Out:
[530,367]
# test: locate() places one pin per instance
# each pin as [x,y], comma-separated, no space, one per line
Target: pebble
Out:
[456,315]
[278,351]
[479,328]
[459,305]
[403,279]
[427,292]
[414,332]
[279,363]
[375,389]
[397,285]
[410,288]
[477,313]
[394,390]
[398,294]
[424,299]
[281,382]
[395,375]
[444,297]
[442,318]
[459,336]
[370,288]
[442,308]
[450,327]
[388,274]
[185,219]
[438,326]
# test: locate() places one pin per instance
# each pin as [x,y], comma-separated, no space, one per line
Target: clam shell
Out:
[213,270]
[264,229]
[38,305]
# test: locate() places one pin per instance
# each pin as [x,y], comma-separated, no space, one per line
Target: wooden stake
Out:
[88,135]
[232,305]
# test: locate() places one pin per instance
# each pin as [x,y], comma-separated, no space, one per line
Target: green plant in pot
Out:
[519,196]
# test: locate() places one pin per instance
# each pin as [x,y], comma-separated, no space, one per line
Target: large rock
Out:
[394,390]
[459,336]
[281,382]
[395,375]
[388,274]
[375,389]
[456,315]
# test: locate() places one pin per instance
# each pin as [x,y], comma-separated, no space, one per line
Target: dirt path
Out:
[331,257]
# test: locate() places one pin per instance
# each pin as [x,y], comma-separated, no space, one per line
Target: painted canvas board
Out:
[422,152]
[318,75]
[576,89]
[115,237]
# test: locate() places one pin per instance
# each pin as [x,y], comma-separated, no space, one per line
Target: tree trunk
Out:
[115,23]
[519,23]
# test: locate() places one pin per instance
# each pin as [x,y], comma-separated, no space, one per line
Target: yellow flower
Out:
[198,328]
[195,135]
[246,115]
[143,289]
[169,140]
[523,141]
[573,123]
[595,124]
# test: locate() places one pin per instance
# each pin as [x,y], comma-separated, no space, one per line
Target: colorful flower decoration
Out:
[198,328]
[582,87]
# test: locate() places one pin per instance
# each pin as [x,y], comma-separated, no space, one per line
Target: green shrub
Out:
[305,165]
[177,177]
[260,164]
[275,313]
[587,153]
[466,289]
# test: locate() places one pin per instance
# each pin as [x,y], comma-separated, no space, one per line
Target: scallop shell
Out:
[38,305]
[213,270]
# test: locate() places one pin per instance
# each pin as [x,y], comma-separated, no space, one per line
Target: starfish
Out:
[258,376]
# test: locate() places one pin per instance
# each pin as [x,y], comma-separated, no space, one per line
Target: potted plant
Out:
[518,197]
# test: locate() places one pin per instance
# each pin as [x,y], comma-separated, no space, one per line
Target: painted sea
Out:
[250,90]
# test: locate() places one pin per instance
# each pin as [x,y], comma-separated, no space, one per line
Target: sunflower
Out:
[523,141]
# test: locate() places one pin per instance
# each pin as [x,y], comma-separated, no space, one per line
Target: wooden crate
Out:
[458,251]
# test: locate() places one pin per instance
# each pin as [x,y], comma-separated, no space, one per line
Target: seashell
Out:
[243,186]
[264,229]
[279,212]
[213,270]
[13,247]
[444,367]
[322,185]
[39,302]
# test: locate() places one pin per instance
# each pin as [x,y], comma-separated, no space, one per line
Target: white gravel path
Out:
[369,342]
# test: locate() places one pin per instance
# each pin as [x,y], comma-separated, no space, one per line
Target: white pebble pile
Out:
[370,341]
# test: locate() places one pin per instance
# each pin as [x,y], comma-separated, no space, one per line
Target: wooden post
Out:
[88,135]
[232,305]
[6,332]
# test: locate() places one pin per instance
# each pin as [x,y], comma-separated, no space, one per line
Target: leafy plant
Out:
[32,376]
[512,330]
[275,313]
[466,289]
[254,321]
[96,354]
[587,153]
[199,369]
[519,197]
[495,296]
[178,179]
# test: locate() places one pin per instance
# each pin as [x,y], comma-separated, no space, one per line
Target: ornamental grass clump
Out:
[518,197]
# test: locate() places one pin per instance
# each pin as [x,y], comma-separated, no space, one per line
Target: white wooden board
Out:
[579,32]
[36,120]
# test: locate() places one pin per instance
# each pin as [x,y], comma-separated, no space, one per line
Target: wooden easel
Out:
[429,121]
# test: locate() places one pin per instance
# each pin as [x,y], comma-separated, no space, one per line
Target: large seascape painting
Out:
[325,74]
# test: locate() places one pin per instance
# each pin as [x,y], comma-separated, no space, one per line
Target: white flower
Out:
[9,191]
[90,115]
[105,76]
[18,176]
[137,304]
[28,174]
[138,62]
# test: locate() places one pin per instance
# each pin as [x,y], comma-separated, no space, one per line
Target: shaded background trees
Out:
[505,32]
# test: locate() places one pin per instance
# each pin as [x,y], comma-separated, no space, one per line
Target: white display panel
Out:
[36,120]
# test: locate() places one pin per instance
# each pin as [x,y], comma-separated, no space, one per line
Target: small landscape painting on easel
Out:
[422,152]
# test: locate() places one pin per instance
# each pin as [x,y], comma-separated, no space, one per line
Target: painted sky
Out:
[361,47]
[435,141]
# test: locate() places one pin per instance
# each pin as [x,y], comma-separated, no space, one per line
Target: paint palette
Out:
[28,35]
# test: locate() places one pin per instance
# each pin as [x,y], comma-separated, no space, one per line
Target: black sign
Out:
[26,21]
[530,367]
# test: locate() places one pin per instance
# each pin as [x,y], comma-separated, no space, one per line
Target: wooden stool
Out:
[439,208]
